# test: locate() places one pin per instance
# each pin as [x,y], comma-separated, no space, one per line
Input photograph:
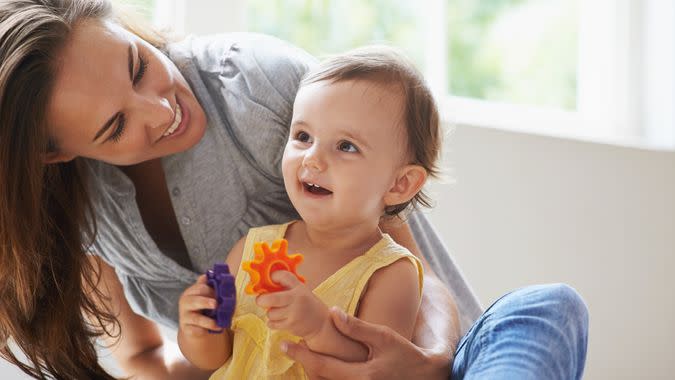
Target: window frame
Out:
[626,75]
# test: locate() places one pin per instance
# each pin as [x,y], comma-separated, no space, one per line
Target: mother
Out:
[155,158]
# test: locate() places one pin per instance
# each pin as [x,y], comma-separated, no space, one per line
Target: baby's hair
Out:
[386,65]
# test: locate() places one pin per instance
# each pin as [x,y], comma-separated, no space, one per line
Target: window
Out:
[516,51]
[600,70]
[144,8]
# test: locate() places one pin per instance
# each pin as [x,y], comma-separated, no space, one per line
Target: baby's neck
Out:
[338,239]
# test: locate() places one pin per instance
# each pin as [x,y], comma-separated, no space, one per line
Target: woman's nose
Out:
[157,112]
[313,159]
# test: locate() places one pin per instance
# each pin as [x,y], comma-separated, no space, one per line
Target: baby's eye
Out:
[303,136]
[348,147]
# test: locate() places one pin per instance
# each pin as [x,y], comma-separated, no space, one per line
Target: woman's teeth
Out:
[176,121]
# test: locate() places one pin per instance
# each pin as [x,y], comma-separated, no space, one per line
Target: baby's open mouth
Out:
[316,189]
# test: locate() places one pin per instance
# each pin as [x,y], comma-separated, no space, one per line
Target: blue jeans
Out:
[537,332]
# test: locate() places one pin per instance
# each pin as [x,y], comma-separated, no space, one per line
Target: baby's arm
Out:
[205,350]
[391,299]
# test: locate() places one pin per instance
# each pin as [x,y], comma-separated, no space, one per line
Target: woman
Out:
[105,150]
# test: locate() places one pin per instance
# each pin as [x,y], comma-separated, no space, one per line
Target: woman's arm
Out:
[437,327]
[140,350]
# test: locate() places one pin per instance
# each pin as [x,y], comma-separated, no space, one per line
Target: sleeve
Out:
[258,79]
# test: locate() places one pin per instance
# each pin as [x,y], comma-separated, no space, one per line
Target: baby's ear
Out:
[408,183]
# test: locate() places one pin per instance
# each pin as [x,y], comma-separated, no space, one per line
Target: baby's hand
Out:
[190,305]
[295,309]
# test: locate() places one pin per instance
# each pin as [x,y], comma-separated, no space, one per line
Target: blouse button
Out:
[185,220]
[175,191]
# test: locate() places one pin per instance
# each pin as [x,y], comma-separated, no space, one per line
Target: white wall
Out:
[528,209]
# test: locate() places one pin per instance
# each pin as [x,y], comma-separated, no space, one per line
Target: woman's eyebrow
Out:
[111,121]
[131,62]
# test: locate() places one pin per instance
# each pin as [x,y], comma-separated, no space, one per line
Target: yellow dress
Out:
[255,348]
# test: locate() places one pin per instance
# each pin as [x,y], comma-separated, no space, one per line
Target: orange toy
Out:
[268,260]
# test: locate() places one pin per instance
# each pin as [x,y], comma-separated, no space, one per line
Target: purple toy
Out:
[220,279]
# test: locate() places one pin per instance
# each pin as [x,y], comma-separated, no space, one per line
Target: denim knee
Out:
[558,312]
[534,332]
[559,304]
[569,299]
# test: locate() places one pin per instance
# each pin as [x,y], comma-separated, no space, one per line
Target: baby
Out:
[363,139]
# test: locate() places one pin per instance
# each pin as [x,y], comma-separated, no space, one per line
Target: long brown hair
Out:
[387,65]
[51,308]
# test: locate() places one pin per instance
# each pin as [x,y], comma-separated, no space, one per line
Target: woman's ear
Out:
[57,157]
[409,181]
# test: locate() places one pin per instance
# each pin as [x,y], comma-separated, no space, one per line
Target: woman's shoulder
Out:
[272,55]
[246,83]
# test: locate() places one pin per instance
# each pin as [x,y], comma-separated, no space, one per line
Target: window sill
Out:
[539,121]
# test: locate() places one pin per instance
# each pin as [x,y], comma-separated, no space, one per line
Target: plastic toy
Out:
[268,260]
[220,279]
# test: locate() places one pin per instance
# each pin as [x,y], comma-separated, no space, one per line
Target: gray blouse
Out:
[230,181]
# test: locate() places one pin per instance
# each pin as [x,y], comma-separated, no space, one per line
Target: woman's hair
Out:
[385,65]
[51,308]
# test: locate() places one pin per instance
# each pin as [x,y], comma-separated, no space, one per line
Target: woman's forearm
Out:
[437,326]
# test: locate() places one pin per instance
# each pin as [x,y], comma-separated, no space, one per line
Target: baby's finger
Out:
[201,279]
[285,279]
[276,299]
[277,325]
[197,319]
[277,313]
[198,331]
[200,290]
[200,303]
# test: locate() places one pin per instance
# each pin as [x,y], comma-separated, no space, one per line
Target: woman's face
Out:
[120,100]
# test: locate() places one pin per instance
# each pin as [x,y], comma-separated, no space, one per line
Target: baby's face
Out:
[347,143]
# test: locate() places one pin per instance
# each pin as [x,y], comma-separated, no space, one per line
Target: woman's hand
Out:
[295,309]
[391,356]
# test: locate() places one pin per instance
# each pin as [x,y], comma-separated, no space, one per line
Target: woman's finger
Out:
[374,336]
[323,366]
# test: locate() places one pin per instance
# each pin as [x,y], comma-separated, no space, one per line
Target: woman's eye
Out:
[303,137]
[119,130]
[348,147]
[142,67]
